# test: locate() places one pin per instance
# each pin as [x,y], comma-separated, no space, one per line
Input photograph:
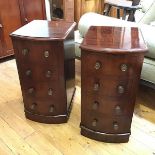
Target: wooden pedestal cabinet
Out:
[46,65]
[112,59]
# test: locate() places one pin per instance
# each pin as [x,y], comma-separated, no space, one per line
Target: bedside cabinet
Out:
[45,59]
[111,64]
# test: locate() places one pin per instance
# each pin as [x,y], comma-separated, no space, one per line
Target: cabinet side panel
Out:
[70,67]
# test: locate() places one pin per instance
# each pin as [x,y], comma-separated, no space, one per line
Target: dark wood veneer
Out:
[46,65]
[111,64]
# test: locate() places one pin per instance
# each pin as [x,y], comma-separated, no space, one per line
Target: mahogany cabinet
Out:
[112,59]
[14,14]
[45,59]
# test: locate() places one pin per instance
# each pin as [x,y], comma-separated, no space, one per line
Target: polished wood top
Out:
[114,40]
[44,30]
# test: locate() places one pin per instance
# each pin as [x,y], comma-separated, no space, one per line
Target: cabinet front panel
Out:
[40,79]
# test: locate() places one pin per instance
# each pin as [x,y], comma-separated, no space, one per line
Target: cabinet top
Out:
[44,30]
[108,39]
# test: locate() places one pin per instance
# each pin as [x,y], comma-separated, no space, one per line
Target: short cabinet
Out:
[112,59]
[46,65]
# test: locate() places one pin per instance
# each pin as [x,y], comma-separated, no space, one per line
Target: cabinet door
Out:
[31,10]
[10,21]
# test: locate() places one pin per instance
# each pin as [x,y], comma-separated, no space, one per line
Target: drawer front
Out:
[42,88]
[102,123]
[107,87]
[110,106]
[123,65]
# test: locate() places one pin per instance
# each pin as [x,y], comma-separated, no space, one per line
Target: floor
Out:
[21,136]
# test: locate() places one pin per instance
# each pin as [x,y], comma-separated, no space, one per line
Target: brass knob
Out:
[95,105]
[51,110]
[48,74]
[26,20]
[120,89]
[118,110]
[25,51]
[97,65]
[124,67]
[96,86]
[46,54]
[31,90]
[115,126]
[50,92]
[32,107]
[28,72]
[94,123]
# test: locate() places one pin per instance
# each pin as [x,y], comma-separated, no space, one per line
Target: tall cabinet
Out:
[14,14]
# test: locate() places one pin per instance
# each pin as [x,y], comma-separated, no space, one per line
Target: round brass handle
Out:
[97,65]
[28,72]
[26,20]
[33,106]
[95,105]
[96,86]
[46,54]
[51,110]
[120,89]
[25,51]
[124,67]
[118,110]
[116,126]
[50,92]
[31,90]
[94,123]
[48,74]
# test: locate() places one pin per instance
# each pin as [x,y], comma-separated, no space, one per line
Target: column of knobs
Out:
[121,90]
[48,75]
[95,105]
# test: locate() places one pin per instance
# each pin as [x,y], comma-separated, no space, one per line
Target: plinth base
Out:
[104,137]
